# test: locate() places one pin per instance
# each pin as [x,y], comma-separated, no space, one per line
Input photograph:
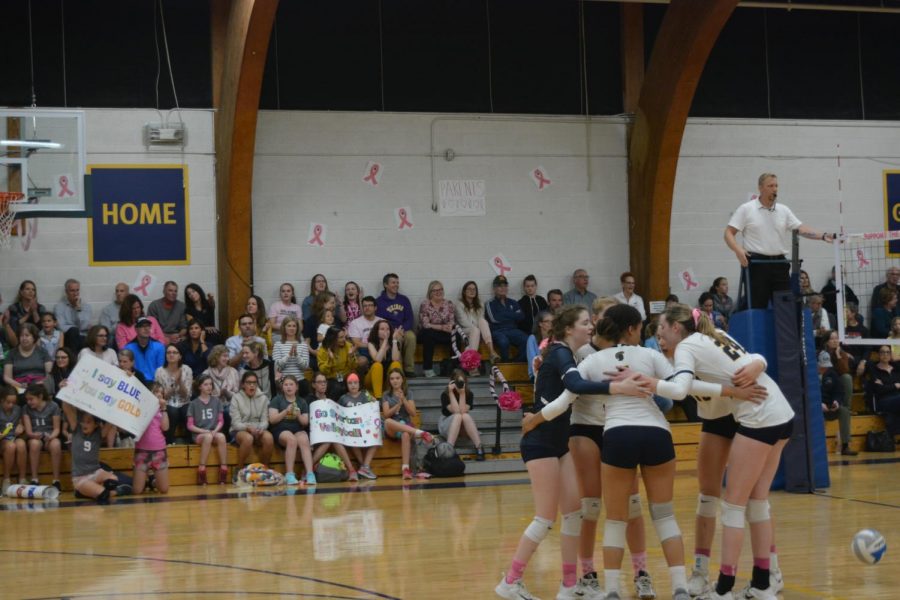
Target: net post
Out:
[839,285]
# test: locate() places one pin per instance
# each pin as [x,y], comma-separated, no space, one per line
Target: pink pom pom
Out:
[470,360]
[510,401]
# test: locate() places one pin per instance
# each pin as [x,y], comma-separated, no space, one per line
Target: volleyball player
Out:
[545,451]
[762,432]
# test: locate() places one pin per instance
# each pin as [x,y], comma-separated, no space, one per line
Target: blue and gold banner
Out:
[140,215]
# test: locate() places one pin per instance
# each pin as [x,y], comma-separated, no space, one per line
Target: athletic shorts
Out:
[150,460]
[77,482]
[397,434]
[628,446]
[592,432]
[768,435]
[537,444]
[724,427]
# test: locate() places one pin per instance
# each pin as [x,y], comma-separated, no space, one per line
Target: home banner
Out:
[354,426]
[140,215]
[105,391]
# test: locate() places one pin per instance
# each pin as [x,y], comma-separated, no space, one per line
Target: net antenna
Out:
[8,205]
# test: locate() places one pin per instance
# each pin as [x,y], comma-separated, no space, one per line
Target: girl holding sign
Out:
[398,411]
[355,397]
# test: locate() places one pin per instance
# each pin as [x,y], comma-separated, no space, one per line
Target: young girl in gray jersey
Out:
[205,420]
[398,411]
[355,397]
[42,429]
[89,480]
[11,429]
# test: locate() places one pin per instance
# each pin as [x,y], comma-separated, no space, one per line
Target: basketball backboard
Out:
[42,155]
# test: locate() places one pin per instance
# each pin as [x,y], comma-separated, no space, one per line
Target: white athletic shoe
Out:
[714,596]
[613,596]
[588,588]
[643,586]
[680,594]
[567,593]
[750,593]
[776,581]
[698,584]
[513,591]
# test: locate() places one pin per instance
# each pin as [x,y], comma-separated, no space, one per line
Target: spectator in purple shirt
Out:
[393,306]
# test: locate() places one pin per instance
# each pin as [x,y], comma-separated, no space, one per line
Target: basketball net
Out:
[8,200]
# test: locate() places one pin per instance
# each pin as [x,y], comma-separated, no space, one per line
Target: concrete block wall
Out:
[59,249]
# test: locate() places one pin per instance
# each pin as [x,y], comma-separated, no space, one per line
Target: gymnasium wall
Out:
[58,248]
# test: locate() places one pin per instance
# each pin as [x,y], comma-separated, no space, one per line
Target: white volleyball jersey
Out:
[705,358]
[588,409]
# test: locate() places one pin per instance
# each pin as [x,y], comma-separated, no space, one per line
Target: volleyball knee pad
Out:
[664,521]
[707,506]
[614,534]
[538,529]
[733,515]
[571,524]
[758,511]
[634,506]
[590,509]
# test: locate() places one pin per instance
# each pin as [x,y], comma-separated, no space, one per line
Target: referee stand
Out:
[783,333]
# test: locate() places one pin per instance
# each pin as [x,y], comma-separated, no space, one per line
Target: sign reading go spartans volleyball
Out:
[105,391]
[140,215]
[358,426]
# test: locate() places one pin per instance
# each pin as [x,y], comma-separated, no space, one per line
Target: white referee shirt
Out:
[765,230]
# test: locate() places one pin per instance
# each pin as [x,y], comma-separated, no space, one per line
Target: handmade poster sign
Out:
[358,426]
[461,197]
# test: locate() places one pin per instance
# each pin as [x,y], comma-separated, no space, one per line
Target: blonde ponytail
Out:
[694,320]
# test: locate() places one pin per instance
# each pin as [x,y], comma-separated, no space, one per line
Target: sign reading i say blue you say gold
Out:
[140,215]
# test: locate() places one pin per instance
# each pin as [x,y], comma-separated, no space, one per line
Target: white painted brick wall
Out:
[59,250]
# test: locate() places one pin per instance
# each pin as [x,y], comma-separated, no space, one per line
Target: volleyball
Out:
[868,546]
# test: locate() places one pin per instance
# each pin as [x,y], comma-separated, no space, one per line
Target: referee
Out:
[766,227]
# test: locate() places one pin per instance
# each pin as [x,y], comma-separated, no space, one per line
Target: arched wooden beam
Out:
[686,37]
[240,48]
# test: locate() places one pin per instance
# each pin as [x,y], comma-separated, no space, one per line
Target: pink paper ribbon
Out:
[498,262]
[373,171]
[541,179]
[688,281]
[64,187]
[404,221]
[861,257]
[145,281]
[317,236]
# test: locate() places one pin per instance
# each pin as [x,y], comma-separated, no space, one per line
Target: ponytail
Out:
[694,321]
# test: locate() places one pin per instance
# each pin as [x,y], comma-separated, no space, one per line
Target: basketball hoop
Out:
[8,200]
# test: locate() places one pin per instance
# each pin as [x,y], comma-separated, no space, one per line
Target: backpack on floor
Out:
[331,469]
[880,441]
[441,460]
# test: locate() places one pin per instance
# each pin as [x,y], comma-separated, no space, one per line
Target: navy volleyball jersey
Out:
[548,385]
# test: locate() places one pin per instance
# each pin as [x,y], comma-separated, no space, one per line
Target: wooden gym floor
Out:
[382,539]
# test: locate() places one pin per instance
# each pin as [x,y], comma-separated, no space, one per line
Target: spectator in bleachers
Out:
[504,315]
[289,422]
[894,335]
[836,370]
[722,302]
[829,294]
[25,309]
[325,301]
[205,421]
[885,387]
[650,340]
[132,310]
[543,325]
[285,306]
[317,285]
[12,445]
[50,336]
[63,362]
[97,345]
[891,282]
[177,381]
[234,344]
[337,360]
[27,363]
[291,354]
[73,315]
[398,409]
[43,422]
[255,361]
[150,449]
[195,348]
[358,331]
[126,363]
[437,321]
[531,303]
[109,316]
[225,378]
[707,305]
[201,307]
[579,294]
[169,312]
[554,300]
[149,354]
[355,396]
[806,288]
[351,303]
[326,322]
[627,295]
[320,387]
[820,320]
[384,351]
[470,316]
[396,308]
[256,308]
[853,328]
[884,312]
[457,402]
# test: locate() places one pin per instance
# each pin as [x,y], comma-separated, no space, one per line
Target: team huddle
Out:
[602,416]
